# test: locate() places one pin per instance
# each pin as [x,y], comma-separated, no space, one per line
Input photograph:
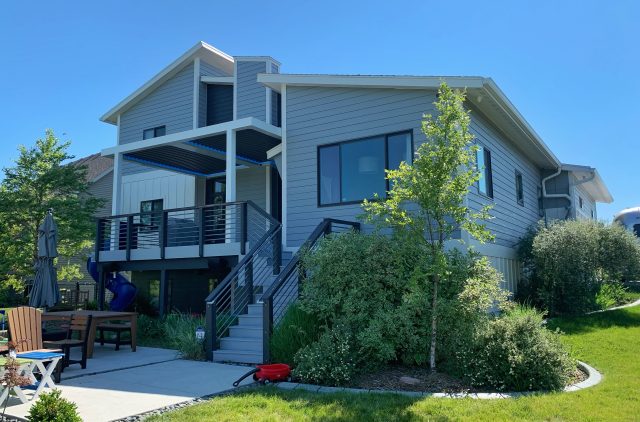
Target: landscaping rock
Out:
[410,380]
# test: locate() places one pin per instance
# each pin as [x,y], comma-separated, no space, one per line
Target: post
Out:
[164,293]
[248,278]
[210,335]
[98,244]
[129,236]
[201,226]
[230,181]
[243,228]
[163,233]
[267,327]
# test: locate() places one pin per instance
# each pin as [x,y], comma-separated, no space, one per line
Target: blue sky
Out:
[570,67]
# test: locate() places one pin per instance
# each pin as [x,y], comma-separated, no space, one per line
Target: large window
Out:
[351,171]
[483,161]
[154,132]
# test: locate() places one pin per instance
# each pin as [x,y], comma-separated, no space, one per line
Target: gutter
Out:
[555,195]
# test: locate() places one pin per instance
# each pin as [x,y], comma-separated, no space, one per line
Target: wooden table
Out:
[98,317]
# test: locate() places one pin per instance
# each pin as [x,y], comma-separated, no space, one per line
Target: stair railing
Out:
[285,289]
[232,296]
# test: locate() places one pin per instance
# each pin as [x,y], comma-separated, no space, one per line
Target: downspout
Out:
[555,195]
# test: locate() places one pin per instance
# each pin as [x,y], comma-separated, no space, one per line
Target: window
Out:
[483,161]
[593,215]
[151,212]
[580,203]
[519,189]
[154,132]
[351,171]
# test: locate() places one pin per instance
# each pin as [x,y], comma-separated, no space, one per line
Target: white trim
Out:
[196,91]
[202,132]
[173,67]
[274,151]
[116,194]
[230,176]
[284,172]
[235,90]
[267,95]
[217,80]
[118,130]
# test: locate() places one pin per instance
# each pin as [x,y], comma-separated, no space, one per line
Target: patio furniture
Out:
[46,363]
[98,317]
[80,324]
[118,329]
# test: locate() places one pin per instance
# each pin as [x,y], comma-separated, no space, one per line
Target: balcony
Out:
[226,229]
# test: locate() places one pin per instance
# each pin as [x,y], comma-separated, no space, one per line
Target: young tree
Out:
[426,202]
[40,181]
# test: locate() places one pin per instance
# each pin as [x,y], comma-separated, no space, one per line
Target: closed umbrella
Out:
[45,292]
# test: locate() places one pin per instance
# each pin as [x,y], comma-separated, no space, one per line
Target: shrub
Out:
[51,407]
[611,294]
[516,353]
[11,292]
[567,263]
[296,330]
[328,361]
[181,329]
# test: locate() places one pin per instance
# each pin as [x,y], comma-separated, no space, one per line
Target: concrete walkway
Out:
[151,379]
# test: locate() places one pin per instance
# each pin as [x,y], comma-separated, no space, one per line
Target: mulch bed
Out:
[389,378]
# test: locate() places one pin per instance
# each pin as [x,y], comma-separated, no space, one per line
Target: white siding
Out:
[176,190]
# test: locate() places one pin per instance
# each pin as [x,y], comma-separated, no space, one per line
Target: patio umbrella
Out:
[45,292]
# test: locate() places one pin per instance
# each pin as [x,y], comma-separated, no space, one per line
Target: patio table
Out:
[46,363]
[98,317]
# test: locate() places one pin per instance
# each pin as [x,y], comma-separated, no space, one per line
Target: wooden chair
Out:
[79,324]
[118,329]
[25,330]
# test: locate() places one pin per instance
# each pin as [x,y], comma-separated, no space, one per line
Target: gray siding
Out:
[103,188]
[511,220]
[251,186]
[206,70]
[588,204]
[131,167]
[171,104]
[317,116]
[252,95]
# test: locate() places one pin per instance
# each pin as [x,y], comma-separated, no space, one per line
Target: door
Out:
[216,194]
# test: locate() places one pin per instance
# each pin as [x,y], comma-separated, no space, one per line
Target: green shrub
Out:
[328,361]
[11,292]
[567,263]
[51,407]
[374,287]
[516,353]
[296,330]
[611,294]
[181,329]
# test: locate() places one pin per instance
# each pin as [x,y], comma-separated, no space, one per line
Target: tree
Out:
[40,181]
[426,202]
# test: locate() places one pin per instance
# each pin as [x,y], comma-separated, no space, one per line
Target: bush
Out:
[611,294]
[328,361]
[11,292]
[567,263]
[375,288]
[51,407]
[516,353]
[296,330]
[181,329]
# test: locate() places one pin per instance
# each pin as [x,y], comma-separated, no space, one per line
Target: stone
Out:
[410,380]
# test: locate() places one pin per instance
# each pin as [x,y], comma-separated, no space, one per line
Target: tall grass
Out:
[176,331]
[296,330]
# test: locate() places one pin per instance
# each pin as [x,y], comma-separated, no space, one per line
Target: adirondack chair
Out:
[25,330]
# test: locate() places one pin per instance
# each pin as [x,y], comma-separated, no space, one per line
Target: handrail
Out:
[197,207]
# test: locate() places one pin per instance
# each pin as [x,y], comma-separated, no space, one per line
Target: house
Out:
[224,167]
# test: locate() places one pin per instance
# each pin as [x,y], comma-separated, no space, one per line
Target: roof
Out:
[482,93]
[97,166]
[203,50]
[591,182]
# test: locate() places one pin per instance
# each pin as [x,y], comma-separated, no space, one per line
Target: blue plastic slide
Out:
[123,290]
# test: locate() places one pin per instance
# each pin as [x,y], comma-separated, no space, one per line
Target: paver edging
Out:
[594,377]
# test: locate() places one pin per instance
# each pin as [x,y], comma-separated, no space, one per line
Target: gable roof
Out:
[97,166]
[482,93]
[203,50]
[590,180]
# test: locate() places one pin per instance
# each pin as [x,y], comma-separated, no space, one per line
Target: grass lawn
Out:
[609,341]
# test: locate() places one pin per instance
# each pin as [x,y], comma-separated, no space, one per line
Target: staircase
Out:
[244,344]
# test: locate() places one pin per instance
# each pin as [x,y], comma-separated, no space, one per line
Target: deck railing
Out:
[243,223]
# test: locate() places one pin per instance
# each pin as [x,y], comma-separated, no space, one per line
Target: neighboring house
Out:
[224,167]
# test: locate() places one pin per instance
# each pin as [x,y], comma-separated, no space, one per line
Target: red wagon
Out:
[267,373]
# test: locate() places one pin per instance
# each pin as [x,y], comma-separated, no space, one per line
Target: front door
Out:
[216,194]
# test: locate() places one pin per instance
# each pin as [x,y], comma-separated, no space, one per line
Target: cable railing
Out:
[243,285]
[285,288]
[232,222]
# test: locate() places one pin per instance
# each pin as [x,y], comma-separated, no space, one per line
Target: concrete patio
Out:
[120,384]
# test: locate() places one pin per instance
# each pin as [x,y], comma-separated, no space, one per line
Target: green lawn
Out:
[610,341]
